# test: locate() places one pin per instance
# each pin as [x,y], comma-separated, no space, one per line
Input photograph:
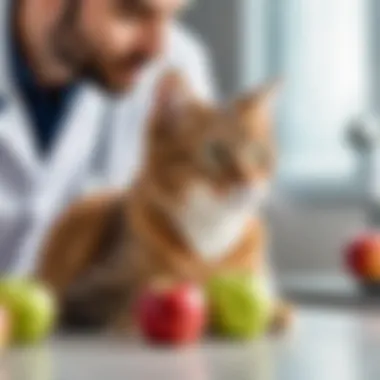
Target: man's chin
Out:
[118,85]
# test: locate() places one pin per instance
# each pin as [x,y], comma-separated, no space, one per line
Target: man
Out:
[77,78]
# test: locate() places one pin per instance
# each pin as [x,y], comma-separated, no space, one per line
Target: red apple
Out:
[172,313]
[363,256]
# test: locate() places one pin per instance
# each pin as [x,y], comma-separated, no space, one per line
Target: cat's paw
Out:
[283,318]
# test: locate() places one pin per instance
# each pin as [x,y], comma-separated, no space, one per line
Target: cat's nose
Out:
[240,173]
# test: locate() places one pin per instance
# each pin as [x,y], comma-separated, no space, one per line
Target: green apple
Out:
[240,306]
[32,309]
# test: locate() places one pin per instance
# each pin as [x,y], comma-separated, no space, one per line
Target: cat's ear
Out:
[268,94]
[262,101]
[173,97]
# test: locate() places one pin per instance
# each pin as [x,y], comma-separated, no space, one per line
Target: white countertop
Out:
[324,345]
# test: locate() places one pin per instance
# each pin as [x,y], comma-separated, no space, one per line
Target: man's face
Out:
[110,41]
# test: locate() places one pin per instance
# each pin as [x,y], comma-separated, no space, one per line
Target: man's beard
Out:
[83,60]
[66,36]
[101,74]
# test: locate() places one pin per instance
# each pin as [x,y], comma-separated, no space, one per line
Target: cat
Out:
[193,211]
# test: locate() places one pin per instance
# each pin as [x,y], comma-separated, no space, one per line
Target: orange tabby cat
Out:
[192,212]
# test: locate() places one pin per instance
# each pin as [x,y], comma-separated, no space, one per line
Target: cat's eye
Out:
[214,153]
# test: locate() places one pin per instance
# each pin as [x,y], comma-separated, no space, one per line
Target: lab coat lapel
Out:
[74,147]
[16,142]
[71,156]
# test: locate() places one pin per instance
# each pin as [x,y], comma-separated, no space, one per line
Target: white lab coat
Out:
[99,145]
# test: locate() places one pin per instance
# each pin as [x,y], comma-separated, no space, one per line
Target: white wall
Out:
[216,21]
[228,27]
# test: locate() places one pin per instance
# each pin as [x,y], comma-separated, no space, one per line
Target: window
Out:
[322,48]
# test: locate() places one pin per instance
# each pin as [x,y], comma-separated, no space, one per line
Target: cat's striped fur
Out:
[201,169]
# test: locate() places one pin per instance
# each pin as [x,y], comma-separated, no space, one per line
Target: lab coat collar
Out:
[78,129]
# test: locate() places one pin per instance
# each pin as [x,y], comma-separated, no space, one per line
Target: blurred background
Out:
[326,191]
[328,53]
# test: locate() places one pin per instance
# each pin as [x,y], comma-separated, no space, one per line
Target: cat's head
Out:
[228,152]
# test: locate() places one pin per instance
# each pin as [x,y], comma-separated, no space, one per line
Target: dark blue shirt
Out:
[45,106]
